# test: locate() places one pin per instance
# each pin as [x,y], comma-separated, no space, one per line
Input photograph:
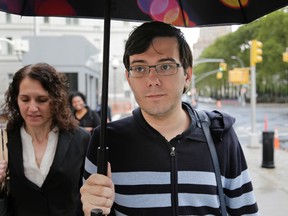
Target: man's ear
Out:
[188,73]
[127,76]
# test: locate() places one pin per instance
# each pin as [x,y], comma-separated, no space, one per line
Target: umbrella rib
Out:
[24,3]
[182,12]
[242,10]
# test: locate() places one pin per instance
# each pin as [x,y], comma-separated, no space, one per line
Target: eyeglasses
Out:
[165,69]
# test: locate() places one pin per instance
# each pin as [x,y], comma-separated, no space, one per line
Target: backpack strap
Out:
[205,124]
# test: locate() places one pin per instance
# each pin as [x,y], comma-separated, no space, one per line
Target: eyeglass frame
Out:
[154,66]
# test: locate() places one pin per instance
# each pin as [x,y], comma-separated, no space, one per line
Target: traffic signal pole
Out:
[255,57]
[253,135]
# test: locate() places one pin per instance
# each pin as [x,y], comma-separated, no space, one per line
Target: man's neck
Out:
[169,125]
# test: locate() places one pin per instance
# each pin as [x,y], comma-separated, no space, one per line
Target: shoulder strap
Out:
[3,146]
[4,186]
[205,124]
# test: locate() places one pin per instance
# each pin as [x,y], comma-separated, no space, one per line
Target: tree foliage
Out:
[272,73]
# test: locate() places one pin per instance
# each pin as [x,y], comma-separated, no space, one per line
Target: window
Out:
[9,47]
[8,18]
[75,21]
[72,80]
[46,20]
[68,21]
[72,21]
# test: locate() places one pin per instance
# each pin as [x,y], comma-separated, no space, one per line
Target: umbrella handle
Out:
[101,169]
[102,161]
[96,212]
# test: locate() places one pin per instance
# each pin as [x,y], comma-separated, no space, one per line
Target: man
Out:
[159,162]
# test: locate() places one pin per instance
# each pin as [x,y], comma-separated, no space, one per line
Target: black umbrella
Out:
[186,13]
[195,13]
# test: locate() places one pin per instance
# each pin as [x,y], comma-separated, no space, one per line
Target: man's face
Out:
[159,95]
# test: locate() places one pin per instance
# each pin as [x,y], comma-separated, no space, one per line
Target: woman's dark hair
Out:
[141,38]
[54,83]
[75,94]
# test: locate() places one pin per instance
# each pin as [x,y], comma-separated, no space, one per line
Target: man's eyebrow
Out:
[167,59]
[138,61]
[160,60]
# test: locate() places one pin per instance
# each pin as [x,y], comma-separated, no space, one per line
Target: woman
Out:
[88,119]
[45,145]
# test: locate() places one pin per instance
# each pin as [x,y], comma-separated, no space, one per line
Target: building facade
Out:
[207,37]
[73,45]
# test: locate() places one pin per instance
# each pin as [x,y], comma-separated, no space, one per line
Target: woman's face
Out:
[78,103]
[34,103]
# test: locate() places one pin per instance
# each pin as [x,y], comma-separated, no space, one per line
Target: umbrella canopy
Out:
[195,13]
[187,13]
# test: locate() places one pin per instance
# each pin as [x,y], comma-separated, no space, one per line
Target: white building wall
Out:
[17,27]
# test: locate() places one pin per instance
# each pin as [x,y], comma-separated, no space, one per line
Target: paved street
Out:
[270,184]
[275,115]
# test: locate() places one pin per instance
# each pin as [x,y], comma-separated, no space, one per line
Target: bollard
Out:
[268,149]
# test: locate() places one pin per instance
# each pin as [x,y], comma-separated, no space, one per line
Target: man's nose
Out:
[154,71]
[153,78]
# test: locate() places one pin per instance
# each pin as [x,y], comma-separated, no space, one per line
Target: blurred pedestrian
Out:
[159,160]
[218,103]
[109,115]
[46,146]
[87,118]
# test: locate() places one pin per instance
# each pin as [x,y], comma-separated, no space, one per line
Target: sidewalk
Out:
[270,184]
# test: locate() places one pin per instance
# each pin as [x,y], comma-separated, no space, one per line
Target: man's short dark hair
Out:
[141,38]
